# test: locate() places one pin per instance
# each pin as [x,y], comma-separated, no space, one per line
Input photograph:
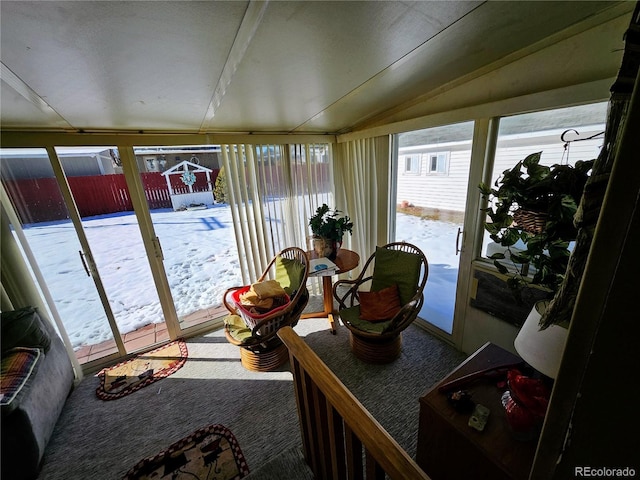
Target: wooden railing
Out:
[341,439]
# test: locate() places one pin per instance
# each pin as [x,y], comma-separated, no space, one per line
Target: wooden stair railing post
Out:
[337,452]
[354,455]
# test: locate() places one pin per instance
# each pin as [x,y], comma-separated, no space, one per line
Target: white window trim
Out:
[445,168]
[418,164]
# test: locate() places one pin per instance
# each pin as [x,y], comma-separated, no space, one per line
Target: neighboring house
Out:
[435,176]
[20,164]
[159,159]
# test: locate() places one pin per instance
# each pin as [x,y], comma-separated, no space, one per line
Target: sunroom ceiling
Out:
[237,66]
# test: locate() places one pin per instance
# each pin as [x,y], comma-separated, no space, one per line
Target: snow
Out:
[437,240]
[200,260]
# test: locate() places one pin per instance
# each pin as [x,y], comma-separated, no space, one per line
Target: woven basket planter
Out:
[530,221]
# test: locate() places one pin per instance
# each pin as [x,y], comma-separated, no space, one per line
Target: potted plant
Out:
[535,205]
[328,228]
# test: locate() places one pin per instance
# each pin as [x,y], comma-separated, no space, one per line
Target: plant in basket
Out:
[535,205]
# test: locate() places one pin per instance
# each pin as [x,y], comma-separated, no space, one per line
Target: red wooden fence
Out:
[40,200]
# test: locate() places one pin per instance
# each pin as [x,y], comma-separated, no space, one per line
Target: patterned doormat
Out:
[208,453]
[142,370]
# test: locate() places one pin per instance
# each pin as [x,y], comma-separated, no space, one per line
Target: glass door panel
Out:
[33,190]
[199,250]
[563,136]
[87,244]
[111,227]
[432,177]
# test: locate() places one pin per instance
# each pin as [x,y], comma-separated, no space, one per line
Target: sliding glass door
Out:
[75,212]
[195,232]
[139,244]
[432,175]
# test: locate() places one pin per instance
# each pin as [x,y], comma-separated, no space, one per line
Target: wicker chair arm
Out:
[229,305]
[247,342]
[255,331]
[351,295]
[230,339]
[291,309]
[238,343]
[406,315]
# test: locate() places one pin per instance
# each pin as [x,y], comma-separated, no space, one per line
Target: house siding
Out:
[437,191]
[448,192]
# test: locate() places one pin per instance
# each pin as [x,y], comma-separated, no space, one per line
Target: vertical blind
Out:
[273,190]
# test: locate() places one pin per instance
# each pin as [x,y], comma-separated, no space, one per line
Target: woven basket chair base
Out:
[375,352]
[266,360]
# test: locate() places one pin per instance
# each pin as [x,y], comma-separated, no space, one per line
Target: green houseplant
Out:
[535,205]
[328,228]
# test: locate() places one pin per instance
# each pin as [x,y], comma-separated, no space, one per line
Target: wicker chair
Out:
[379,340]
[260,348]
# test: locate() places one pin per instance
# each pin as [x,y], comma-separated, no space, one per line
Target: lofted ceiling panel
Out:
[218,66]
[308,55]
[121,65]
[481,38]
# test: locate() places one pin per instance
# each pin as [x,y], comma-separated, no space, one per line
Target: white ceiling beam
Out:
[22,89]
[246,31]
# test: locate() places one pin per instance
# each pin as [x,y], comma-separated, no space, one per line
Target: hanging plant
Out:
[535,204]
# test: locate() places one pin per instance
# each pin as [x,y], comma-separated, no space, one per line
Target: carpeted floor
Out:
[102,440]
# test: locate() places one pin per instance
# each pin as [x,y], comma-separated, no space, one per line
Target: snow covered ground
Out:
[437,239]
[201,261]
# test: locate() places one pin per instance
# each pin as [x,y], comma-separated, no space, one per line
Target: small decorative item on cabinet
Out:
[525,403]
[461,401]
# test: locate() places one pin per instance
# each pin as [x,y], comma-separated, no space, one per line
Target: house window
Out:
[438,163]
[412,164]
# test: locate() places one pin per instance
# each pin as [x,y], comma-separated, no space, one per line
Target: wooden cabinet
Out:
[449,449]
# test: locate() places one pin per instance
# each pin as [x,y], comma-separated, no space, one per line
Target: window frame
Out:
[445,155]
[416,160]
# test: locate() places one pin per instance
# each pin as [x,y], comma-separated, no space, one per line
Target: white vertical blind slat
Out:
[269,187]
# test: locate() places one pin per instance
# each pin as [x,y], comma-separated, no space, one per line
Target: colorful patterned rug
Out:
[142,370]
[209,453]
